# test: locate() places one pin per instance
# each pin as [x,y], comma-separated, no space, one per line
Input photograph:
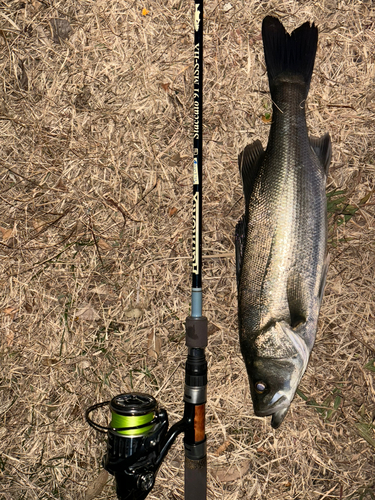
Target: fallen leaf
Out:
[175,463]
[10,311]
[103,290]
[134,313]
[28,307]
[176,158]
[145,12]
[263,450]
[107,296]
[12,242]
[96,486]
[153,345]
[49,361]
[61,29]
[84,364]
[365,199]
[254,39]
[79,229]
[165,86]
[23,80]
[172,211]
[211,329]
[82,100]
[87,313]
[61,185]
[9,338]
[6,233]
[267,118]
[233,473]
[222,448]
[103,245]
[37,5]
[37,225]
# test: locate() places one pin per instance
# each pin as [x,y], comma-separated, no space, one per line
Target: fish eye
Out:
[260,387]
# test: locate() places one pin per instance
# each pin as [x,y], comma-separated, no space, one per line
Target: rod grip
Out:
[199,423]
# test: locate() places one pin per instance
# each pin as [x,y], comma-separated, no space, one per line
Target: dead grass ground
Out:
[95,211]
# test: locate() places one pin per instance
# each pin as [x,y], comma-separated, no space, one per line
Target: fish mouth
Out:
[278,417]
[278,410]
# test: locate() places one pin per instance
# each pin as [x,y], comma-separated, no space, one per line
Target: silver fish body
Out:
[281,239]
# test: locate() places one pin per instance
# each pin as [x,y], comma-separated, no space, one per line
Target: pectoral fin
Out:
[298,299]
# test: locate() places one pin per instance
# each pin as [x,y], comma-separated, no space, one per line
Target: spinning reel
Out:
[138,438]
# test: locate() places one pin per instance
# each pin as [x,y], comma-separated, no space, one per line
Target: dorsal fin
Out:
[322,147]
[239,241]
[249,162]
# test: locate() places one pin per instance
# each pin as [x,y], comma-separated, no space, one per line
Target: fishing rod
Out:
[138,438]
[196,324]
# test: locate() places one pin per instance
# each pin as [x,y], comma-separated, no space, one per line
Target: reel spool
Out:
[134,412]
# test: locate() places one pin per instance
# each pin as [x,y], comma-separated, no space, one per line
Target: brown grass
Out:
[95,211]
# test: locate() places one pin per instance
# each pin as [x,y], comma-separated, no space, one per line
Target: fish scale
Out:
[281,239]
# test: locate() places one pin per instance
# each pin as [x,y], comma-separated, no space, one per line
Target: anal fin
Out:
[323,278]
[322,147]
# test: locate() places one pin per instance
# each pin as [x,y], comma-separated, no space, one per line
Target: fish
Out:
[281,239]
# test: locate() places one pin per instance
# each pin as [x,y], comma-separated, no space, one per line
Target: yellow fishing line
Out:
[119,421]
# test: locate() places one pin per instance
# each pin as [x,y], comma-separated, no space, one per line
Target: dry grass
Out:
[95,211]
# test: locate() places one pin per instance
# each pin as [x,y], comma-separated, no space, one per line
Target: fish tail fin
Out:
[284,53]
